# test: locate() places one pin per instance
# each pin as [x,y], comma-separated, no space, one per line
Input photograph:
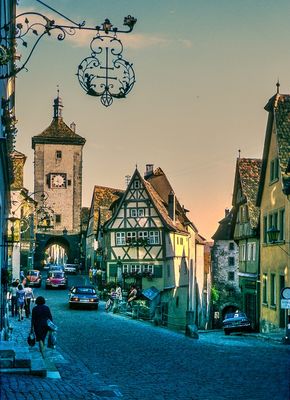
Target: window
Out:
[148,268]
[141,212]
[251,251]
[231,261]
[135,268]
[243,253]
[57,218]
[120,238]
[133,212]
[265,228]
[58,154]
[231,246]
[143,234]
[282,224]
[231,276]
[136,184]
[154,237]
[125,267]
[273,290]
[244,213]
[168,270]
[131,237]
[265,289]
[181,241]
[274,170]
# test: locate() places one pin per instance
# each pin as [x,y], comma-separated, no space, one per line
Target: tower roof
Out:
[58,132]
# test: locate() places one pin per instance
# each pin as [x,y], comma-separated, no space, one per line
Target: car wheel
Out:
[227,333]
[70,305]
[46,287]
[97,306]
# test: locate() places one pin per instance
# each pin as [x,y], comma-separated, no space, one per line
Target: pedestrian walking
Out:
[91,275]
[13,298]
[40,315]
[119,295]
[20,298]
[94,272]
[132,295]
[29,297]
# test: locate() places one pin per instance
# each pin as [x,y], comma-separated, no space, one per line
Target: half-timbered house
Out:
[150,241]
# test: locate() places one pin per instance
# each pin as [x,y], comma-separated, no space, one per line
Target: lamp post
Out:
[273,236]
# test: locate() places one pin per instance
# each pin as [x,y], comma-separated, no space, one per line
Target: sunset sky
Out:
[204,72]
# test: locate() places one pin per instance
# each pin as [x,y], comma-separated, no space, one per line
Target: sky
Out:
[204,69]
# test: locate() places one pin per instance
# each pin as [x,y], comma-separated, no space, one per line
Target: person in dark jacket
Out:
[40,314]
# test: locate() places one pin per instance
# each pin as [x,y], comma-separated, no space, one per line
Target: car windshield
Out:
[57,275]
[32,273]
[235,315]
[82,290]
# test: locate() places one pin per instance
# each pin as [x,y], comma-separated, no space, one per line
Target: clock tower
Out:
[58,180]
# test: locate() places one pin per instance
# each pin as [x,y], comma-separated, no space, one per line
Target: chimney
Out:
[171,205]
[227,211]
[149,170]
[73,127]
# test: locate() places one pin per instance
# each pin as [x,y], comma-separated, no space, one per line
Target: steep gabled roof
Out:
[248,171]
[103,197]
[58,133]
[157,202]
[224,231]
[279,121]
[158,180]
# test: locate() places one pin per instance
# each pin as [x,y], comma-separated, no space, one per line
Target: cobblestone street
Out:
[107,356]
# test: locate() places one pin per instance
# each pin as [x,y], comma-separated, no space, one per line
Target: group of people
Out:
[116,296]
[21,297]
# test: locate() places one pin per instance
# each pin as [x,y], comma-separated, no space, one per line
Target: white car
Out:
[71,268]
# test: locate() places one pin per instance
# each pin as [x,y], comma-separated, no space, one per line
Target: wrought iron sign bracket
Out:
[104,73]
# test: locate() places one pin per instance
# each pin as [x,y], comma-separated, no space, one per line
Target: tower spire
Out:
[278,86]
[57,106]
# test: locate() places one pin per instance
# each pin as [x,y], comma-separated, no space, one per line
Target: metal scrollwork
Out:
[105,73]
[27,32]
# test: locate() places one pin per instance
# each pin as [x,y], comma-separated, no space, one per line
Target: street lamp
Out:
[273,234]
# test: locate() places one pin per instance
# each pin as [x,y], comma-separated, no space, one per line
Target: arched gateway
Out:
[58,174]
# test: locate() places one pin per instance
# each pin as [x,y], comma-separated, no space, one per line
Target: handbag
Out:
[51,325]
[51,341]
[31,339]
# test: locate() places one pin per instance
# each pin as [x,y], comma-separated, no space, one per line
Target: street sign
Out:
[285,293]
[285,303]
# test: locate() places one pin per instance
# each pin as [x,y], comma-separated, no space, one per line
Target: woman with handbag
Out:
[40,314]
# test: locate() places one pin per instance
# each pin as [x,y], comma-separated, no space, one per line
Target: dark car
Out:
[236,322]
[33,278]
[56,279]
[83,296]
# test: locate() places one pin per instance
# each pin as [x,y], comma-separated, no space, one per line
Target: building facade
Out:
[7,136]
[58,181]
[226,293]
[246,234]
[274,202]
[150,241]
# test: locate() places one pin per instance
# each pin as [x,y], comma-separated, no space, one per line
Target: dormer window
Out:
[58,154]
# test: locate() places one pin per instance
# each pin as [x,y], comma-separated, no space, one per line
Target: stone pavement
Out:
[58,376]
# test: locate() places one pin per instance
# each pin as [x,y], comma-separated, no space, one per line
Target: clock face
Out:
[58,180]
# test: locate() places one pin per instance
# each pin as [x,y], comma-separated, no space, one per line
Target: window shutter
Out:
[157,271]
[113,270]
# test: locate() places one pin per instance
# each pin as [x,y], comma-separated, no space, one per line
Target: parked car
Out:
[236,322]
[33,278]
[71,268]
[56,279]
[82,296]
